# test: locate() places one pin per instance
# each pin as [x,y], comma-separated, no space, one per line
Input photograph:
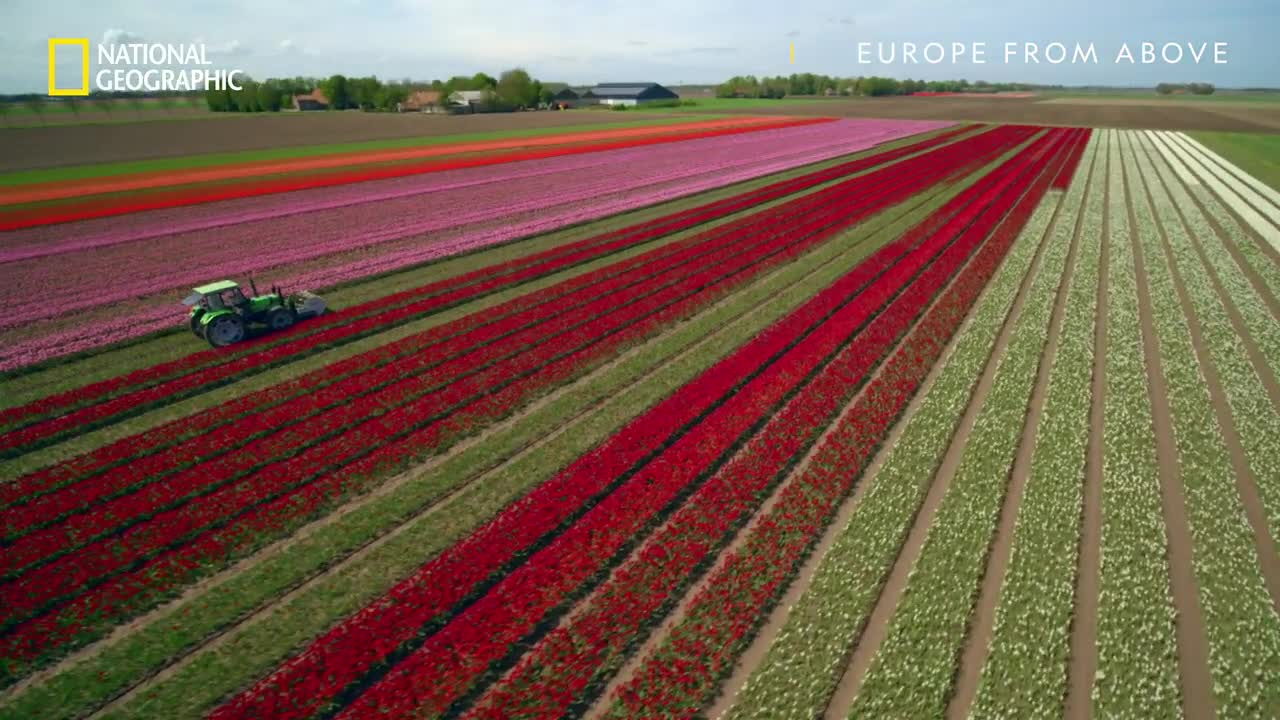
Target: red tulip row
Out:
[107,206]
[677,679]
[163,383]
[563,666]
[414,368]
[453,660]
[1063,180]
[646,457]
[242,513]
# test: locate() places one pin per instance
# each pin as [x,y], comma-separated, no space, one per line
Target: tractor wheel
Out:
[224,330]
[279,319]
[196,329]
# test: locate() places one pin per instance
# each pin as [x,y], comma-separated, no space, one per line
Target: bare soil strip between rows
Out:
[216,640]
[1083,662]
[877,626]
[982,623]
[1193,644]
[1246,483]
[1256,357]
[764,638]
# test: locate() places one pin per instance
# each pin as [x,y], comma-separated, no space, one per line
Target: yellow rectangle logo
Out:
[83,44]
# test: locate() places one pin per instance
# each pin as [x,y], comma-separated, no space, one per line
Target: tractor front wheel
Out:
[279,319]
[224,330]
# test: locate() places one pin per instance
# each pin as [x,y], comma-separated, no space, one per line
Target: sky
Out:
[667,41]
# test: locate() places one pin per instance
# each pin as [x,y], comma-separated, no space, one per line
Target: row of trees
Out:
[811,84]
[106,103]
[512,89]
[1193,88]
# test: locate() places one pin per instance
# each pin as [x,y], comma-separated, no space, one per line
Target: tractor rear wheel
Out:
[224,330]
[279,319]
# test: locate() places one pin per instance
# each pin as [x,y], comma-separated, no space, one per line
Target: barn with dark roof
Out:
[628,93]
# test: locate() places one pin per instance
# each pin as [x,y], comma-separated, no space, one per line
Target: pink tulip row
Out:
[369,230]
[49,240]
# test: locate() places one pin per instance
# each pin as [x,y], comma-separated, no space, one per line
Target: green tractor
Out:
[222,315]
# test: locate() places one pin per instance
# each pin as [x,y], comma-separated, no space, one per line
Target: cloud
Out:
[116,36]
[713,50]
[637,43]
[231,47]
[794,33]
[288,45]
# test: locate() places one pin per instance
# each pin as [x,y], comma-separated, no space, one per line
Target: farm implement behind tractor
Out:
[223,315]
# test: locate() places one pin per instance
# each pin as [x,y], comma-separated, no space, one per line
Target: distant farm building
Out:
[467,100]
[314,100]
[566,98]
[636,93]
[427,101]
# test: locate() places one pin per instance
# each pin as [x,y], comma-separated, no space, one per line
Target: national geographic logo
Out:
[83,88]
[138,67]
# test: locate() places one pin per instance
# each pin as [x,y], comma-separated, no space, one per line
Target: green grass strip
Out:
[1137,653]
[188,162]
[1256,154]
[1025,675]
[256,648]
[1242,626]
[805,663]
[912,673]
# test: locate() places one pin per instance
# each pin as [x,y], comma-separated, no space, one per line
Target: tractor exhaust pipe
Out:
[253,286]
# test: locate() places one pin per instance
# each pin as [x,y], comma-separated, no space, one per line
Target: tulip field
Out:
[753,418]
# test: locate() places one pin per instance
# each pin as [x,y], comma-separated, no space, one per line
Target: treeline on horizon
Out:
[1193,88]
[512,89]
[749,86]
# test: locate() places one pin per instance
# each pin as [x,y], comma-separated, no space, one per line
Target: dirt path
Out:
[1246,483]
[220,638]
[878,621]
[982,623]
[1083,663]
[1193,645]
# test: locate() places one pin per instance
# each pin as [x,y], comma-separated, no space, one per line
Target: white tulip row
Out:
[1258,320]
[1260,211]
[1241,625]
[1137,654]
[1251,249]
[1026,670]
[913,670]
[1255,417]
[805,663]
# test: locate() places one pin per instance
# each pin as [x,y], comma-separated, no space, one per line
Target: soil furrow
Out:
[982,623]
[877,626]
[1193,644]
[1246,483]
[1084,626]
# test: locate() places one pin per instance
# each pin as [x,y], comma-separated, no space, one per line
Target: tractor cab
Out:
[223,315]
